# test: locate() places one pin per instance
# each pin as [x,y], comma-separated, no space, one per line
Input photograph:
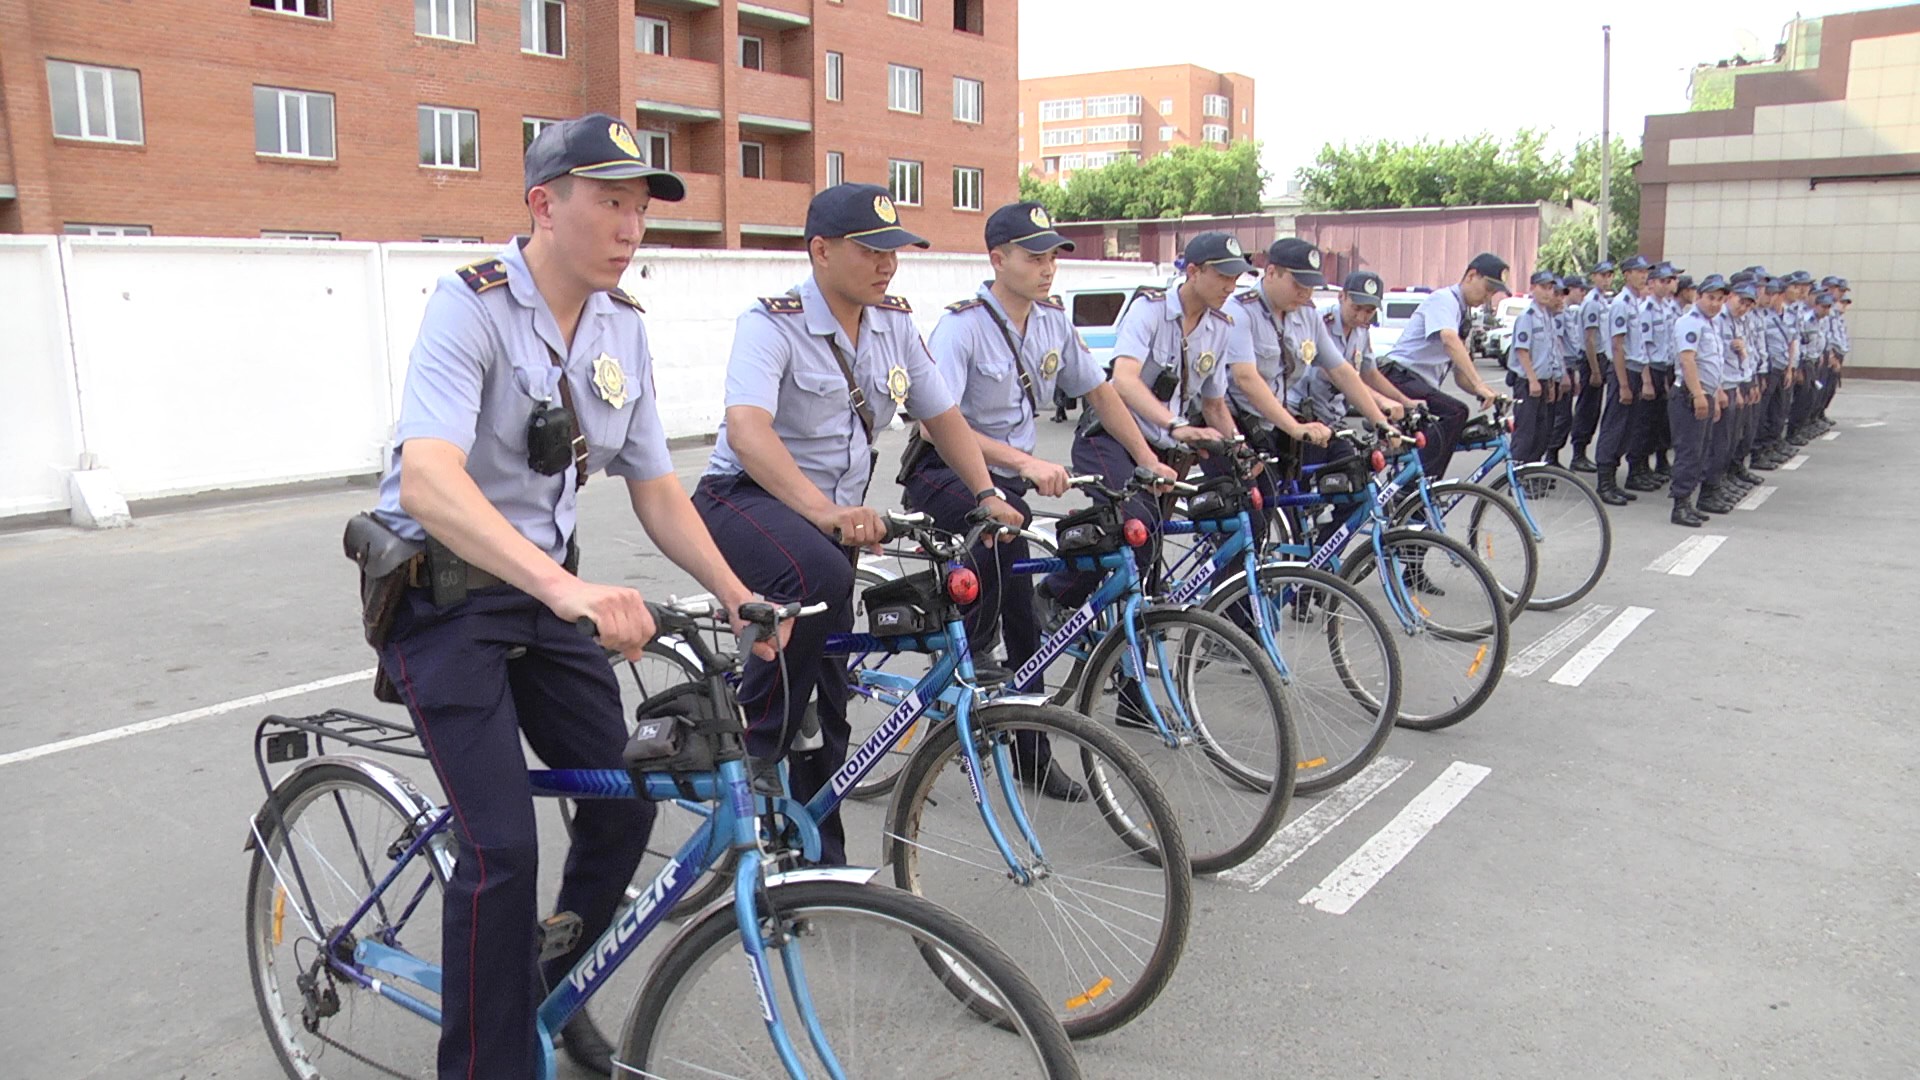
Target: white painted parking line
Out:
[1687,555]
[190,715]
[1755,498]
[1339,891]
[1794,462]
[1575,671]
[1830,436]
[1873,423]
[1296,836]
[1534,657]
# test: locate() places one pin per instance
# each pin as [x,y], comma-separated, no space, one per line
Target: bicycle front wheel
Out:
[1102,918]
[1452,618]
[1489,525]
[1571,524]
[1232,773]
[1342,667]
[899,986]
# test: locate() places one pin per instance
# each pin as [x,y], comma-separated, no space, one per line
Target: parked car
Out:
[1095,310]
[1396,308]
[1500,331]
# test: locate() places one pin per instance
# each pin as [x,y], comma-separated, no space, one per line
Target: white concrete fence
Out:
[142,368]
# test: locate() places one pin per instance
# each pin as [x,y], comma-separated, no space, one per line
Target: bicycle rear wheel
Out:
[1489,525]
[1575,535]
[1232,775]
[900,986]
[1342,667]
[1102,921]
[346,832]
[1452,618]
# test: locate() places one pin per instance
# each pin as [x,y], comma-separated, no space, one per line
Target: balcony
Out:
[676,86]
[773,102]
[698,212]
[773,207]
[775,15]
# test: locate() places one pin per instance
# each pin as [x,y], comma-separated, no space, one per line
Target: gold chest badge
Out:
[898,383]
[1205,364]
[1308,350]
[609,381]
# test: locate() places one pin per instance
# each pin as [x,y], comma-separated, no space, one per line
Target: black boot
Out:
[585,1046]
[1609,492]
[1714,501]
[1048,779]
[1642,480]
[1581,462]
[1685,514]
[1131,709]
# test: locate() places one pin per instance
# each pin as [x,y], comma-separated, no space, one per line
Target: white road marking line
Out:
[1575,671]
[1687,555]
[1873,423]
[1534,657]
[1339,891]
[1794,462]
[1830,436]
[1755,498]
[189,716]
[1296,836]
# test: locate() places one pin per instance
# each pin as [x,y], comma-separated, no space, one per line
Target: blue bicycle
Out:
[848,979]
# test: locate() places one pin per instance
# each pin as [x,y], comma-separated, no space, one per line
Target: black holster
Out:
[389,565]
[918,447]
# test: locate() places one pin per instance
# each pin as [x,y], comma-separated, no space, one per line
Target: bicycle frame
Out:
[1372,515]
[1502,457]
[1200,566]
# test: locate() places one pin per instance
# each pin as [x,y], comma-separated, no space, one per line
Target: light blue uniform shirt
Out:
[1728,328]
[1534,331]
[1285,346]
[479,367]
[1799,317]
[979,367]
[1573,338]
[1693,333]
[1593,315]
[1624,321]
[1753,334]
[1773,333]
[1420,348]
[1656,323]
[1149,332]
[1837,338]
[782,362]
[1315,397]
[1816,338]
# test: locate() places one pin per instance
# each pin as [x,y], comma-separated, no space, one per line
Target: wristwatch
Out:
[989,493]
[1175,424]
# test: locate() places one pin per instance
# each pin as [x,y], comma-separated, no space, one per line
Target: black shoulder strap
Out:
[1026,380]
[856,397]
[579,439]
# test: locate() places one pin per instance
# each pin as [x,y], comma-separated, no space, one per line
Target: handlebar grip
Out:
[587,626]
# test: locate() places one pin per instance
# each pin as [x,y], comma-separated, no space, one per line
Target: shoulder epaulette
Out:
[895,303]
[1147,292]
[1218,314]
[625,297]
[1053,302]
[483,275]
[782,305]
[1248,296]
[959,306]
[1328,315]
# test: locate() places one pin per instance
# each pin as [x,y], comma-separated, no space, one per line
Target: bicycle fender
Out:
[856,875]
[1014,699]
[377,773]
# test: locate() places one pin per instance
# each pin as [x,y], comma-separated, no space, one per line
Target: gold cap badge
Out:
[883,209]
[623,139]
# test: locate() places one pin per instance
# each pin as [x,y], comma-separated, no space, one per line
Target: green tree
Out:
[1466,172]
[1187,180]
[1574,246]
[1585,182]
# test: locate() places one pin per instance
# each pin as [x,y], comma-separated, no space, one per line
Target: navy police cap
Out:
[1635,262]
[1604,266]
[862,213]
[1714,283]
[1747,290]
[598,147]
[1799,277]
[1544,277]
[1027,224]
[1573,281]
[1299,258]
[1365,288]
[1492,267]
[1776,285]
[1218,250]
[1685,283]
[1823,298]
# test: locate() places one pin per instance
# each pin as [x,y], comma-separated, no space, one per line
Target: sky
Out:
[1338,72]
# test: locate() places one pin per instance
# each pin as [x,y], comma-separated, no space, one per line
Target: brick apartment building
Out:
[382,120]
[1070,122]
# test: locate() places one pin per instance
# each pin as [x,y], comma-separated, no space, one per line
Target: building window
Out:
[967,100]
[966,188]
[531,127]
[282,234]
[1051,165]
[1214,105]
[543,27]
[753,160]
[1099,158]
[1023,118]
[1113,105]
[650,35]
[1070,162]
[1213,133]
[753,55]
[451,240]
[292,123]
[970,16]
[1100,133]
[98,103]
[449,138]
[450,19]
[1166,133]
[1166,106]
[906,9]
[656,148]
[1060,110]
[312,9]
[76,228]
[836,76]
[903,181]
[1063,137]
[836,168]
[903,88]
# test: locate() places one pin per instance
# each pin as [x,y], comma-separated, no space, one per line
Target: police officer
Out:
[1768,453]
[1750,333]
[1648,438]
[1838,345]
[1696,397]
[1800,318]
[1003,352]
[1350,322]
[1431,345]
[1625,377]
[1568,324]
[1171,353]
[1816,368]
[1589,363]
[531,371]
[1534,370]
[812,375]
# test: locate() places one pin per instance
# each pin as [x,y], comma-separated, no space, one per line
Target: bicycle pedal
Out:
[559,933]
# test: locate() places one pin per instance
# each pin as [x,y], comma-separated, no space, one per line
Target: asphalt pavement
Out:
[1686,844]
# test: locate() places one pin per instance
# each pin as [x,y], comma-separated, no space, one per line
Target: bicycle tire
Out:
[1212,847]
[1516,574]
[1326,718]
[992,993]
[271,908]
[1486,633]
[1582,501]
[1094,925]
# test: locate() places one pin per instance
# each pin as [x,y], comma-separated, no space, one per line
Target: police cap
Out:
[1299,258]
[1027,224]
[1218,250]
[598,147]
[862,213]
[1493,268]
[1365,288]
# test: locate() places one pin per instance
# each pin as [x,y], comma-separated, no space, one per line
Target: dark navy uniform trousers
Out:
[471,705]
[780,555]
[1532,421]
[1773,411]
[1654,440]
[1102,455]
[1617,421]
[1449,415]
[1586,407]
[1690,439]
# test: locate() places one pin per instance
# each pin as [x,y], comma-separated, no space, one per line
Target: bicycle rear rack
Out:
[284,738]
